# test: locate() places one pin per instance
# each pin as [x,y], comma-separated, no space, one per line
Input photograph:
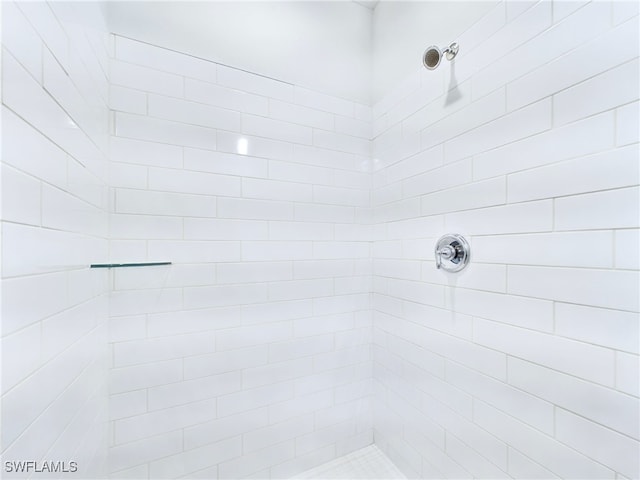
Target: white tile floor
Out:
[368,462]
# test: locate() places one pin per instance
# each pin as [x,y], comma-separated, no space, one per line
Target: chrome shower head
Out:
[432,55]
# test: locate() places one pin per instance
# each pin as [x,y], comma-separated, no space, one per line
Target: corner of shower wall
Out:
[54,225]
[251,354]
[529,148]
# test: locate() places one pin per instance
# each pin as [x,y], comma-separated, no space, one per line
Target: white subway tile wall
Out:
[525,364]
[303,317]
[54,225]
[251,354]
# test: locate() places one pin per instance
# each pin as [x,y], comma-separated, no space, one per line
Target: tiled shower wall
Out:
[525,364]
[54,224]
[251,354]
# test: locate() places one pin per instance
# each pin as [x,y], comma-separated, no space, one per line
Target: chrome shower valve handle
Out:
[452,253]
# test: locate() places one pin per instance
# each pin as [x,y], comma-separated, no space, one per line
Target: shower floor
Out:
[368,462]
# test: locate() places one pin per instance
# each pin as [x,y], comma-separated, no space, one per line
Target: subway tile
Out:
[224,163]
[193,462]
[44,22]
[599,288]
[257,460]
[298,348]
[471,460]
[145,226]
[127,328]
[192,113]
[242,144]
[300,115]
[323,157]
[149,153]
[275,190]
[144,54]
[123,175]
[301,231]
[244,336]
[222,362]
[20,38]
[522,466]
[320,101]
[561,10]
[596,95]
[143,451]
[163,348]
[341,196]
[254,272]
[291,290]
[276,311]
[585,137]
[28,99]
[628,373]
[136,302]
[163,421]
[608,209]
[21,197]
[276,129]
[344,143]
[628,124]
[480,112]
[21,352]
[611,169]
[514,126]
[572,68]
[143,376]
[545,450]
[571,249]
[298,172]
[230,98]
[324,213]
[618,452]
[519,218]
[128,100]
[63,211]
[258,84]
[254,398]
[627,257]
[231,426]
[586,361]
[19,309]
[30,151]
[599,326]
[127,404]
[148,202]
[600,404]
[195,183]
[275,250]
[274,373]
[225,229]
[143,78]
[515,310]
[300,405]
[164,131]
[473,195]
[185,392]
[224,295]
[565,36]
[191,321]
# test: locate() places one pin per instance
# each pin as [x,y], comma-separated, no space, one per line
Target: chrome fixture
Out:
[432,55]
[452,252]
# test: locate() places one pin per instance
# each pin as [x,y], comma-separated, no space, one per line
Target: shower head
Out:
[433,55]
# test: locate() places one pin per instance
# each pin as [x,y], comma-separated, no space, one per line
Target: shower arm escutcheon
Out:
[452,252]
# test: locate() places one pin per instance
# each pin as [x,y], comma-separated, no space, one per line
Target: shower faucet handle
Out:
[452,253]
